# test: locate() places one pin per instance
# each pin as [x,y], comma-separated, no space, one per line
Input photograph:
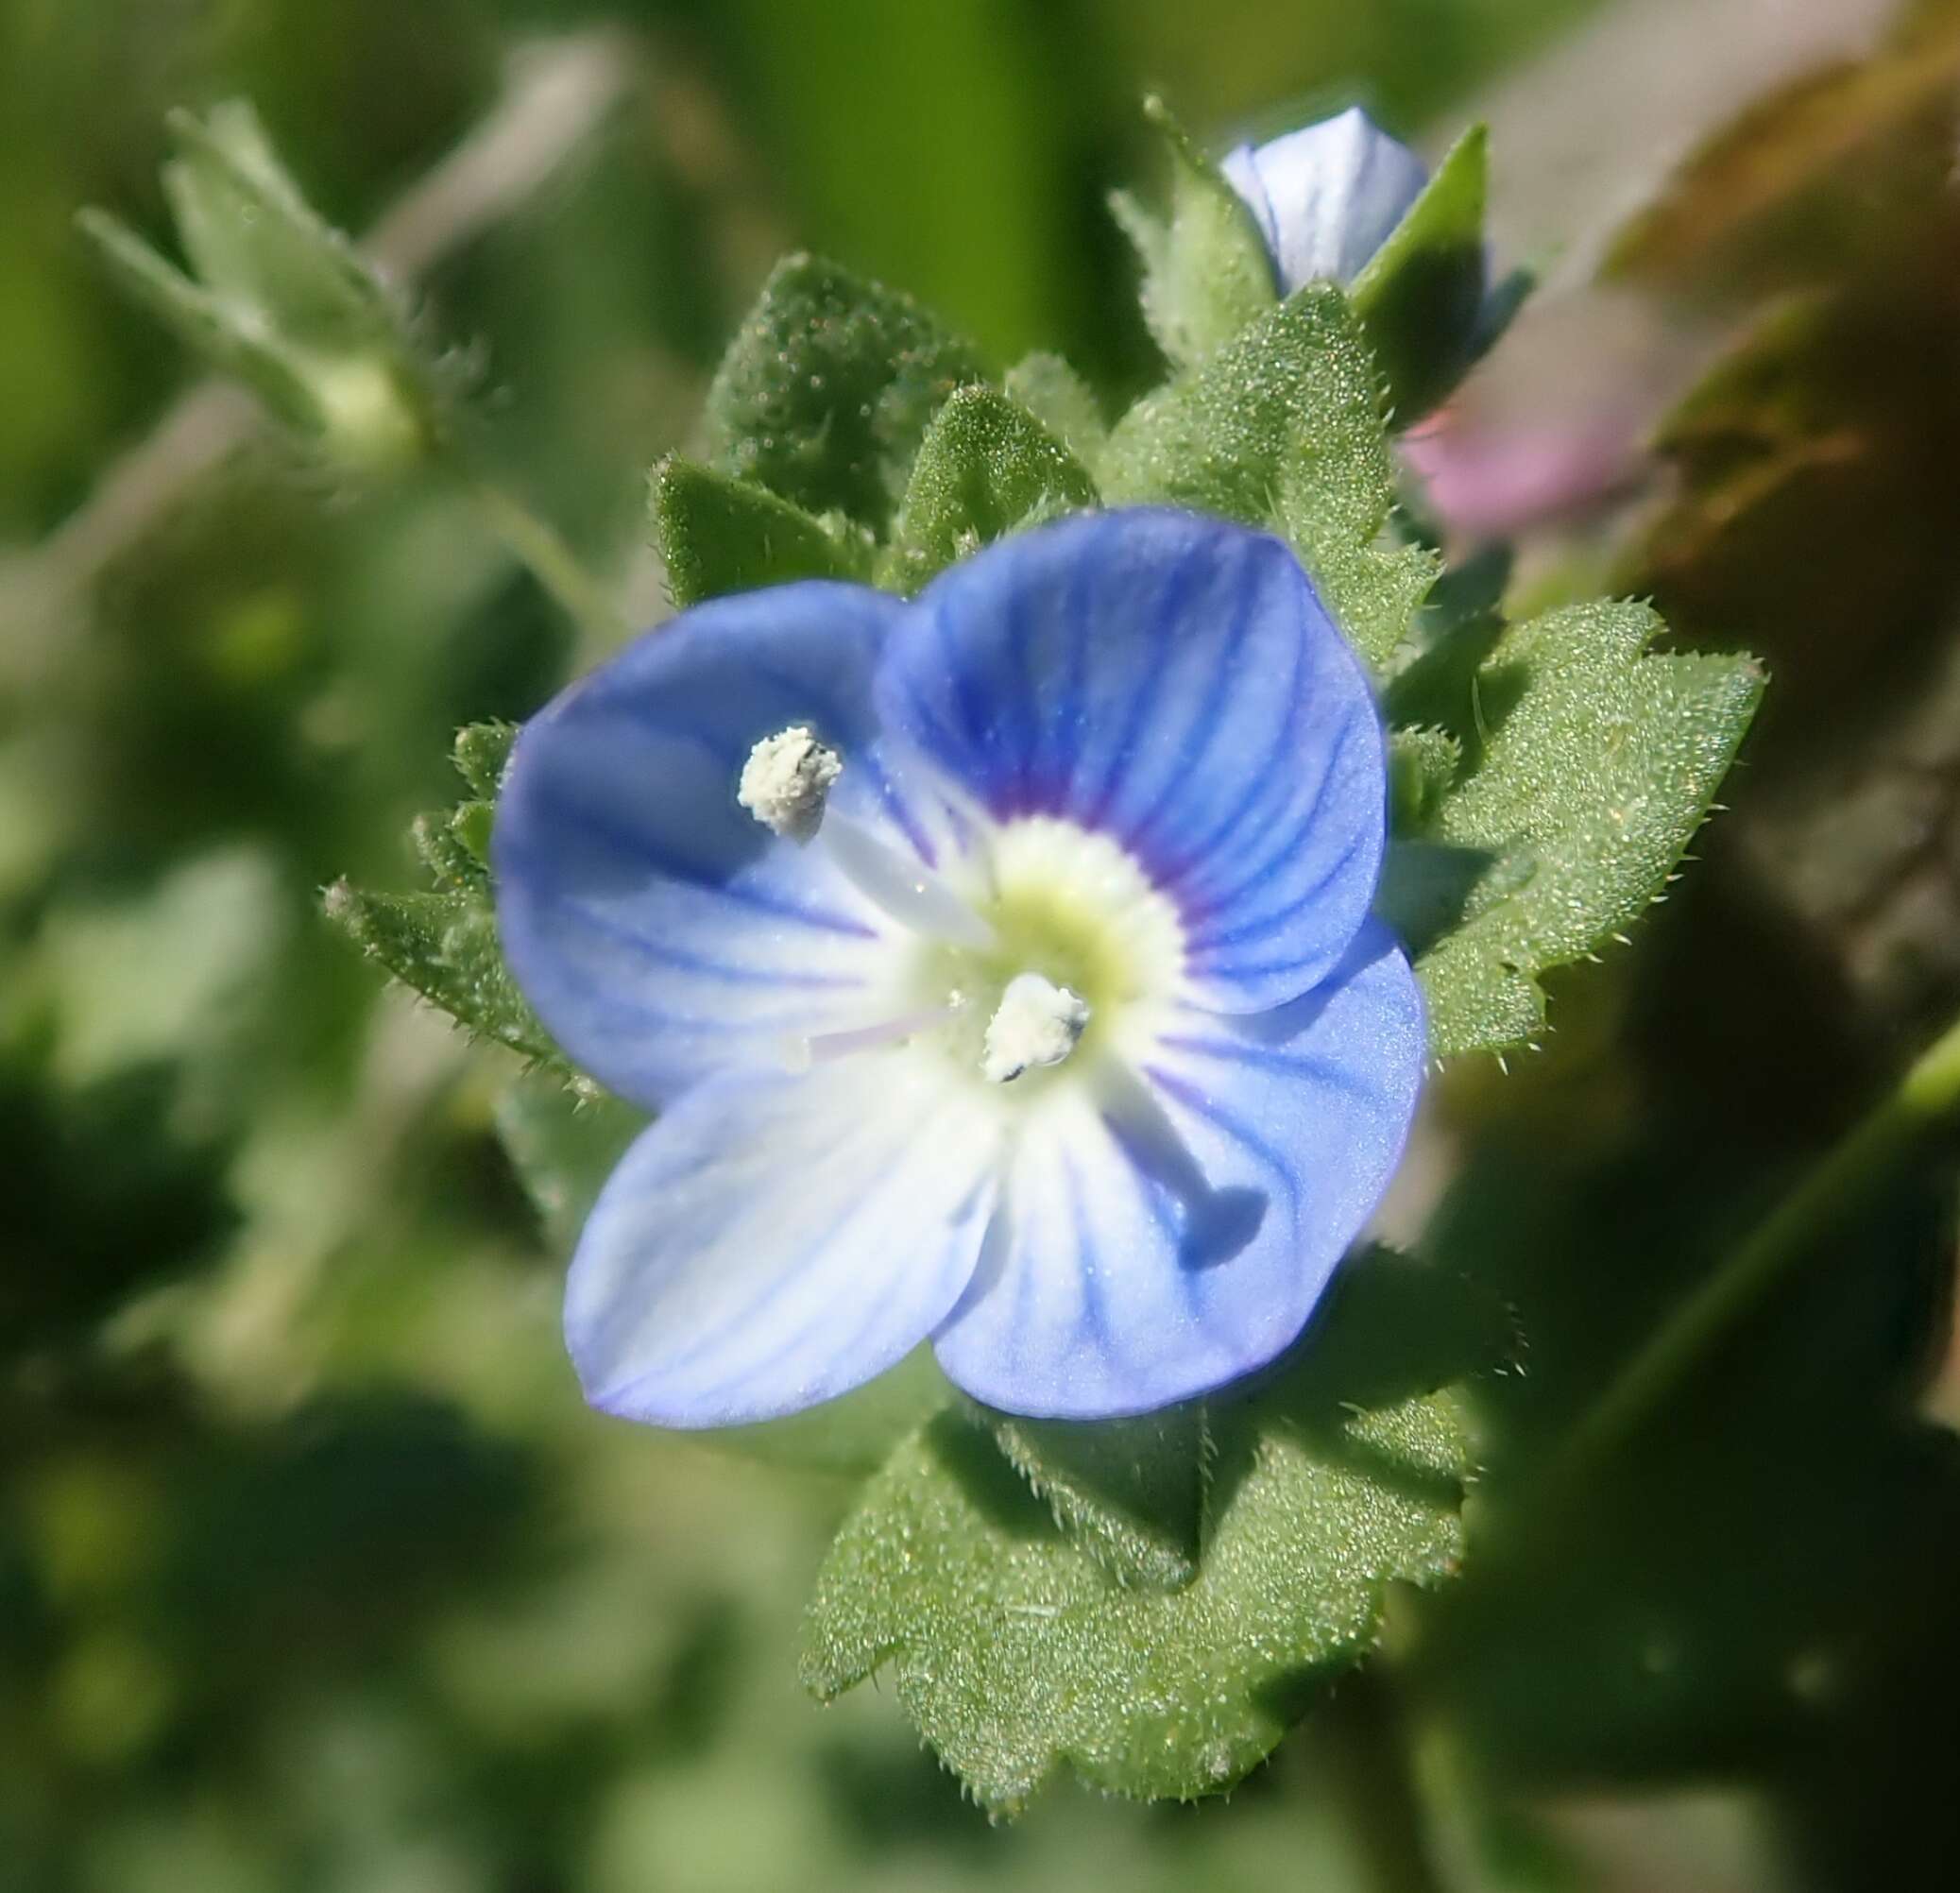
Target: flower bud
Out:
[276,295]
[1326,197]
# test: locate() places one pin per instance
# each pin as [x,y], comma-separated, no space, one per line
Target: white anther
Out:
[1037,1023]
[787,781]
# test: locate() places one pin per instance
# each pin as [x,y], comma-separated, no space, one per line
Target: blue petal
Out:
[657,927]
[1173,681]
[1326,197]
[768,1244]
[1163,1242]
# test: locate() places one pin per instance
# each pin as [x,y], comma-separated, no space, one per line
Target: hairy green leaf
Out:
[444,943]
[718,535]
[1019,1644]
[852,1436]
[827,390]
[1206,273]
[252,236]
[445,946]
[985,468]
[1057,397]
[1422,763]
[1589,765]
[482,754]
[1130,1493]
[563,1141]
[1421,294]
[1282,429]
[201,321]
[443,843]
[277,296]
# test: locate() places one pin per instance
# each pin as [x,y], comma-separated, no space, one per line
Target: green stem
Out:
[542,551]
[1378,1789]
[1928,1092]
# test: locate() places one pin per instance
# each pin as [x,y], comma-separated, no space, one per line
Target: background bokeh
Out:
[315,1573]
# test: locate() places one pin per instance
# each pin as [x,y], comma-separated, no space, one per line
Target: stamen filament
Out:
[905,890]
[800,1054]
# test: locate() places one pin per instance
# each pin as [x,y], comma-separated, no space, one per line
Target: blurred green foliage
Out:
[314,1572]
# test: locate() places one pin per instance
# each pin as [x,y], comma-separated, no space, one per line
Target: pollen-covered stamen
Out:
[787,781]
[1037,1022]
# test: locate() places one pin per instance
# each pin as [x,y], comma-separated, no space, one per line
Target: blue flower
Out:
[1326,197]
[1000,966]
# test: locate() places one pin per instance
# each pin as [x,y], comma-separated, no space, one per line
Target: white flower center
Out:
[1037,1022]
[1037,944]
[787,781]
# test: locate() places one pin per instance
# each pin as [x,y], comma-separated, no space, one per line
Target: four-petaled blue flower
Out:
[1325,197]
[1001,964]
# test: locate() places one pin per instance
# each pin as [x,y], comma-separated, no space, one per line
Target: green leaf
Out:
[284,301]
[445,946]
[200,321]
[827,390]
[452,864]
[1207,274]
[1282,429]
[1421,295]
[1427,887]
[718,535]
[251,235]
[563,1141]
[1057,397]
[482,754]
[852,1436]
[1589,767]
[986,468]
[1016,1651]
[1422,763]
[1130,1493]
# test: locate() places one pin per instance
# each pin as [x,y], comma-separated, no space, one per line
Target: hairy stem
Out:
[1378,1789]
[541,550]
[1869,1153]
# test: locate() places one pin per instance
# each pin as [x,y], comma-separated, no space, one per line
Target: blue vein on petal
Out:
[1290,828]
[1290,842]
[686,961]
[1195,1101]
[1027,699]
[1272,1058]
[964,701]
[1182,577]
[1207,942]
[1270,780]
[1069,729]
[633,847]
[812,1246]
[1202,731]
[1162,1198]
[1094,1315]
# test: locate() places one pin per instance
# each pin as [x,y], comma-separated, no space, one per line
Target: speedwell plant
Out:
[979,961]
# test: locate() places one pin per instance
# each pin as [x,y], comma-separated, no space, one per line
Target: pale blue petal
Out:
[660,929]
[1325,197]
[1173,681]
[768,1244]
[1153,1246]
